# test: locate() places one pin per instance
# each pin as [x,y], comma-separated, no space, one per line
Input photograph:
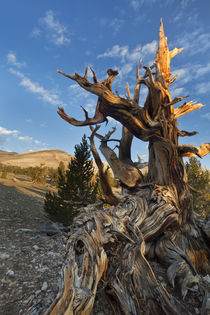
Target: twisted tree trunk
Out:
[147,254]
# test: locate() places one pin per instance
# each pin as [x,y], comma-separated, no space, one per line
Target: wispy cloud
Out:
[194,42]
[124,53]
[77,92]
[115,52]
[207,115]
[129,57]
[203,88]
[115,24]
[25,138]
[178,91]
[55,31]
[189,73]
[185,3]
[12,60]
[36,32]
[135,4]
[7,132]
[5,135]
[35,88]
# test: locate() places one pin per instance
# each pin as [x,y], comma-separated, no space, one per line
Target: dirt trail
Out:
[30,259]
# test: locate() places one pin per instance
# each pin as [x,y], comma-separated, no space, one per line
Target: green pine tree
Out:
[198,178]
[76,187]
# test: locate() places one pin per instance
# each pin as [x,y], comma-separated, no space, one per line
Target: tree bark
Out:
[124,248]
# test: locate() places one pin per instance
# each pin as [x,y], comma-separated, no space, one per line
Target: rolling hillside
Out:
[49,158]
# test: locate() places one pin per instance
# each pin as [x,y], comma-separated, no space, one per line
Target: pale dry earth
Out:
[32,250]
[32,254]
[49,158]
[30,259]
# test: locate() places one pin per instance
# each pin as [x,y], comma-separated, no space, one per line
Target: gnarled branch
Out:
[105,186]
[190,150]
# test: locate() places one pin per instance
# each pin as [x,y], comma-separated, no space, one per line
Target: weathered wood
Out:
[155,223]
[108,194]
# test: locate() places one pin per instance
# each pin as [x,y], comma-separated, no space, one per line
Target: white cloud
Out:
[77,92]
[57,32]
[207,115]
[203,88]
[7,132]
[185,3]
[178,91]
[17,73]
[194,42]
[125,69]
[202,70]
[150,48]
[5,135]
[178,17]
[135,4]
[134,55]
[114,23]
[25,139]
[12,60]
[189,73]
[115,51]
[129,58]
[36,32]
[34,87]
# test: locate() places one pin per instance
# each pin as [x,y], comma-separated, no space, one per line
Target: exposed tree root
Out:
[115,246]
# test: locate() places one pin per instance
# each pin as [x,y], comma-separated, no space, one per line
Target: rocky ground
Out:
[31,251]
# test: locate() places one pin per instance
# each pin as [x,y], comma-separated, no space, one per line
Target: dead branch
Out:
[105,186]
[190,151]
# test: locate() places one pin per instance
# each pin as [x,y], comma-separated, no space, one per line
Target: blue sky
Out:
[38,37]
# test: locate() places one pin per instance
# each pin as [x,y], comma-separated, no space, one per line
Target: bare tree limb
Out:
[190,151]
[186,108]
[105,186]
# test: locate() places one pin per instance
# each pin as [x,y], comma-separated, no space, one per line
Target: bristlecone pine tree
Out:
[148,253]
[199,180]
[76,187]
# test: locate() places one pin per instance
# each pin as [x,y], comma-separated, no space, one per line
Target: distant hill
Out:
[49,158]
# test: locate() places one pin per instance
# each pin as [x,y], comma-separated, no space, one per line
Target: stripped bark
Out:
[118,245]
[108,194]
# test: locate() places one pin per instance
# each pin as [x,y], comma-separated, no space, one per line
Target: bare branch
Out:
[193,151]
[138,85]
[174,52]
[174,78]
[105,186]
[94,76]
[116,91]
[97,119]
[86,72]
[175,100]
[186,108]
[183,133]
[128,91]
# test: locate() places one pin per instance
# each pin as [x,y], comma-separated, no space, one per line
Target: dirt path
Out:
[30,259]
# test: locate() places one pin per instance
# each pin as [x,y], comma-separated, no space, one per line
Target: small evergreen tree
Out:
[4,174]
[38,174]
[198,178]
[75,187]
